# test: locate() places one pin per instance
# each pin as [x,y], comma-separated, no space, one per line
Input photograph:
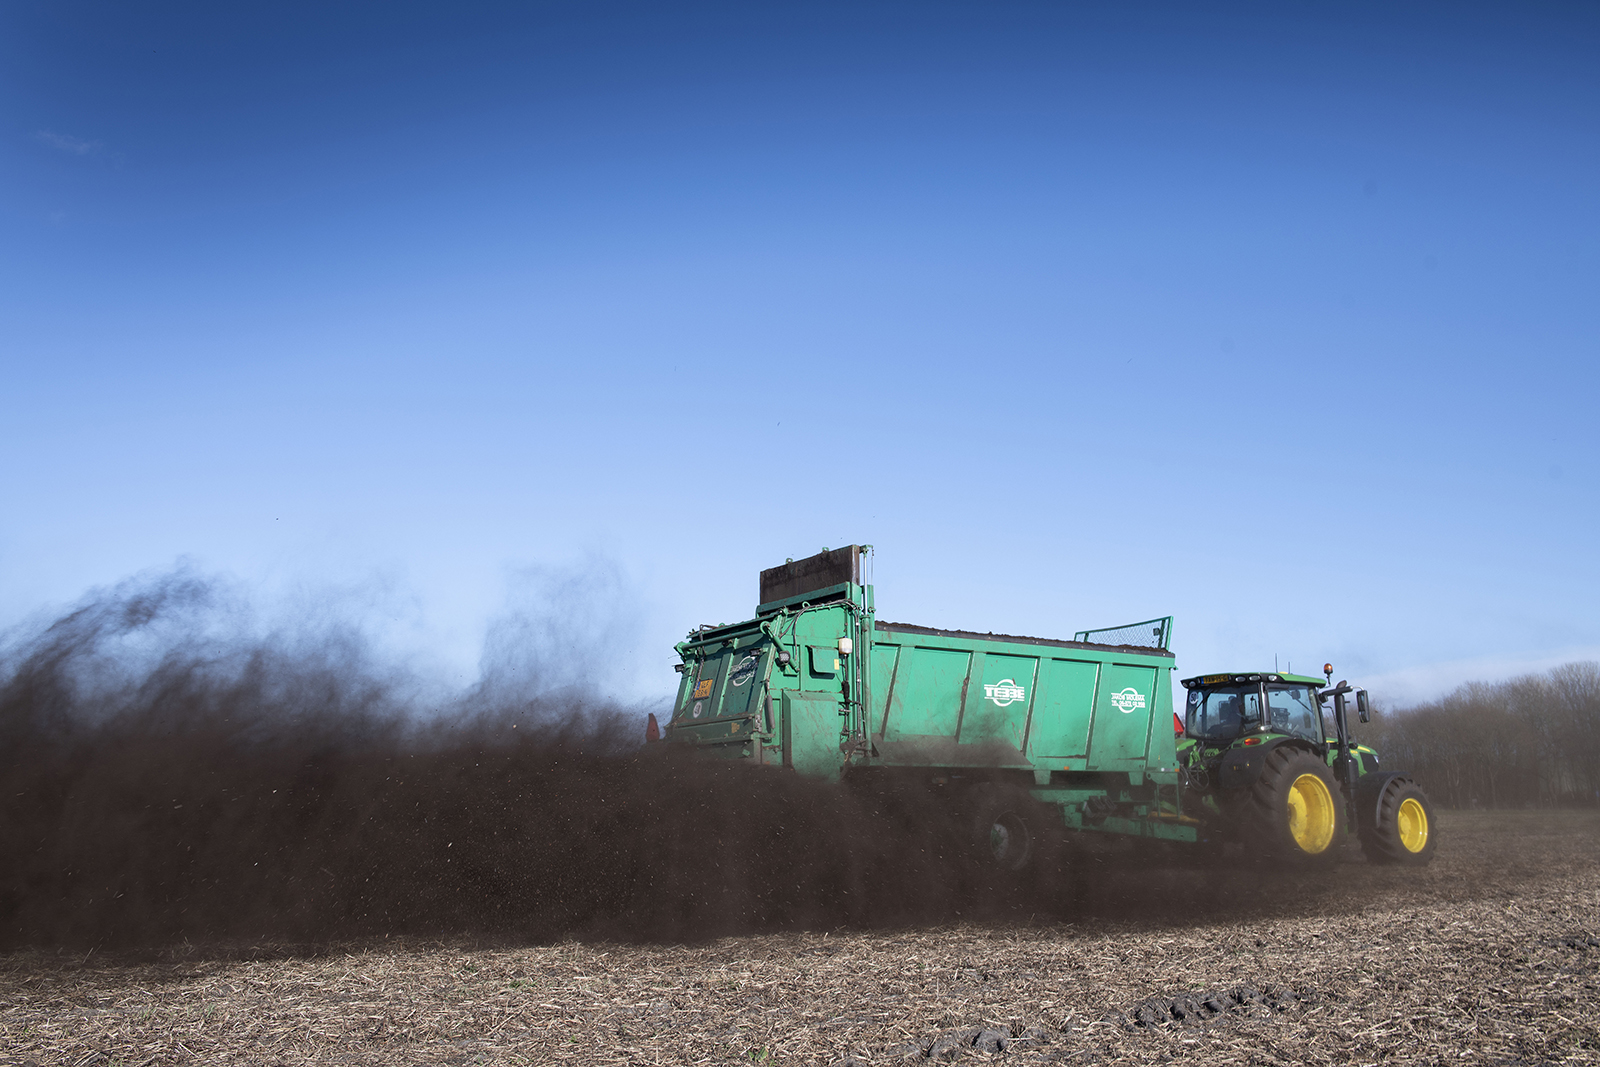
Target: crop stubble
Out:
[1489,956]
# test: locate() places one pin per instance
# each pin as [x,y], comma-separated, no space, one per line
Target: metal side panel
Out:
[929,691]
[1122,713]
[811,733]
[885,672]
[997,706]
[1062,710]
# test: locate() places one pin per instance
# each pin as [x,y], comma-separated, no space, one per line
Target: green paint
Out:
[1063,707]
[777,689]
[811,733]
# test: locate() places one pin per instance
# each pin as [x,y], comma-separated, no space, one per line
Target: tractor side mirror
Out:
[1363,706]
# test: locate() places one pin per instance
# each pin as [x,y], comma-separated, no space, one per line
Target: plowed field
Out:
[1491,955]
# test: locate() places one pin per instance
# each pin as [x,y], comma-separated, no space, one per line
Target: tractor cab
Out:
[1221,709]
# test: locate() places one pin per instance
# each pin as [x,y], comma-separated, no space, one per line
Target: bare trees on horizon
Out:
[1532,741]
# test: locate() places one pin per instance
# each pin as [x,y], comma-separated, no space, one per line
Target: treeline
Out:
[1532,741]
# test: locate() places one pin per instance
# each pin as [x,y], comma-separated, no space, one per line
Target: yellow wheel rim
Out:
[1312,815]
[1413,820]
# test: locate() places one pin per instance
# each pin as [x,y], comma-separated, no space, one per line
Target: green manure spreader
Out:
[1030,739]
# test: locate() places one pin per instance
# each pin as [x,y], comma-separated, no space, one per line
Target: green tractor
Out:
[1262,770]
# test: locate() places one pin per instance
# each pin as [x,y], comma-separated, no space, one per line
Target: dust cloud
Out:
[164,780]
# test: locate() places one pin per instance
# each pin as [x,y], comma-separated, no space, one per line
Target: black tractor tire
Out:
[1404,831]
[1010,831]
[1294,814]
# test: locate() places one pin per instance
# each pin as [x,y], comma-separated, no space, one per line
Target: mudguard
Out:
[1241,767]
[1369,789]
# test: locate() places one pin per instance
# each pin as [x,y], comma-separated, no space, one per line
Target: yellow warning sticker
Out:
[703,690]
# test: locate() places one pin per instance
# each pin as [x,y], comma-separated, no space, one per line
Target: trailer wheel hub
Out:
[1008,841]
[1311,814]
[1413,822]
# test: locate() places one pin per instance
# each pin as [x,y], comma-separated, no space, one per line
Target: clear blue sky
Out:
[1279,318]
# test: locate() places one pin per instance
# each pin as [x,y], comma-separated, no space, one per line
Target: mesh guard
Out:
[1152,633]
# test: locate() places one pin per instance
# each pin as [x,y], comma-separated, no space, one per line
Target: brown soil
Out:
[1491,955]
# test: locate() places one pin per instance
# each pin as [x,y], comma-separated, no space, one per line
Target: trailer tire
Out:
[1404,830]
[1295,812]
[1009,828]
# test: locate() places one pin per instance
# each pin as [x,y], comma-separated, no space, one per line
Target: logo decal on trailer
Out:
[741,674]
[1004,692]
[1127,700]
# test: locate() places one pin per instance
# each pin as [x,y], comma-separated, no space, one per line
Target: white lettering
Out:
[1128,700]
[1004,692]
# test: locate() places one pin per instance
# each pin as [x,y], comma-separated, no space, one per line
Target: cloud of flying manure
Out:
[168,775]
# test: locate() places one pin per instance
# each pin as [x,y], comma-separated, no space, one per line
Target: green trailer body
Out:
[816,683]
[1025,734]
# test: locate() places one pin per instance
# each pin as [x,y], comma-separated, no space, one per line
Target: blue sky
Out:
[1278,318]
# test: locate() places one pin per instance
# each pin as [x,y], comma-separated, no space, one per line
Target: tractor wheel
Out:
[1295,812]
[1009,828]
[1405,831]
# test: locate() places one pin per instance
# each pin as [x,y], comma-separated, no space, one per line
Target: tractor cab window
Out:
[1292,709]
[1221,714]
